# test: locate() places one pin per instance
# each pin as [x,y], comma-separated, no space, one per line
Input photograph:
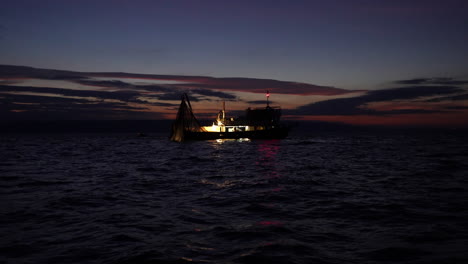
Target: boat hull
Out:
[272,133]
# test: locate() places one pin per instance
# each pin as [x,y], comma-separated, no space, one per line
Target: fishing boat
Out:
[259,123]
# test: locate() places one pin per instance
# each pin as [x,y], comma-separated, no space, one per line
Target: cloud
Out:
[105,84]
[121,96]
[211,93]
[169,92]
[23,72]
[262,85]
[459,97]
[21,106]
[8,82]
[124,95]
[260,102]
[173,96]
[357,105]
[45,103]
[27,99]
[252,85]
[155,88]
[456,107]
[411,92]
[437,81]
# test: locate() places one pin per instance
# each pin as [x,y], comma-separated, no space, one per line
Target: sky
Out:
[363,62]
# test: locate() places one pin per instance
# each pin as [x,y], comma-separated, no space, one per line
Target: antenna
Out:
[224,111]
[268,97]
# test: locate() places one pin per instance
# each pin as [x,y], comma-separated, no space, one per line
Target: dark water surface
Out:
[116,198]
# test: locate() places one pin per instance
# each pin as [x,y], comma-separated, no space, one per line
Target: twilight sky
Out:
[353,61]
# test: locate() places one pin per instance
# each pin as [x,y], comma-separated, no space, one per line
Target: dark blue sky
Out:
[347,44]
[319,51]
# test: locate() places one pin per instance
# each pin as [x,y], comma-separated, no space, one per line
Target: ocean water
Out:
[322,198]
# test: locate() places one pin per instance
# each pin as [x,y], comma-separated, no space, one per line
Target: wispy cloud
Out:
[117,95]
[105,84]
[21,106]
[251,85]
[458,97]
[262,85]
[260,102]
[358,105]
[22,72]
[437,81]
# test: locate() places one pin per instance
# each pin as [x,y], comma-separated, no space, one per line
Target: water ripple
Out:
[99,198]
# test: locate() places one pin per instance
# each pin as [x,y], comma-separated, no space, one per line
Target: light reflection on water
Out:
[118,199]
[267,158]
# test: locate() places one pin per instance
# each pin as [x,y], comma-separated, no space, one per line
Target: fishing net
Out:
[185,121]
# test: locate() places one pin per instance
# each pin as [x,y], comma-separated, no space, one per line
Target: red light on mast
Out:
[268,97]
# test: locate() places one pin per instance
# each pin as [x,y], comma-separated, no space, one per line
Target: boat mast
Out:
[224,112]
[268,97]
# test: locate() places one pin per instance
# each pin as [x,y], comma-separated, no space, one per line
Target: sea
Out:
[328,197]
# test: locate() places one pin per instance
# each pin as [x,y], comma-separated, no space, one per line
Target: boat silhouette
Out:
[258,123]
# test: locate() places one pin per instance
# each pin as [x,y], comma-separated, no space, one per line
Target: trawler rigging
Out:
[259,123]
